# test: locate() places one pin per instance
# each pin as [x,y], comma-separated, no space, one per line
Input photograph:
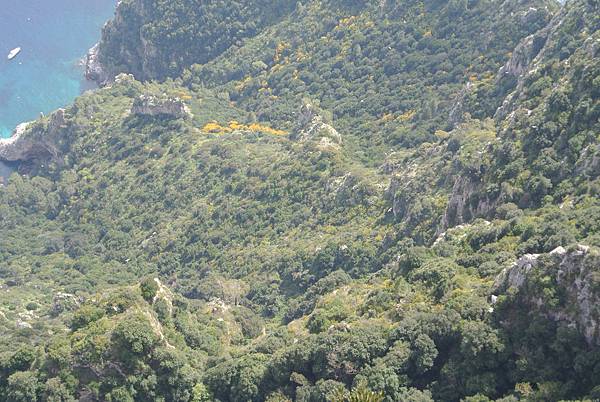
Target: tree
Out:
[149,288]
[56,391]
[22,387]
[135,335]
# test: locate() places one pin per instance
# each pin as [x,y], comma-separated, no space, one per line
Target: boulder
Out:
[515,276]
[62,302]
[23,325]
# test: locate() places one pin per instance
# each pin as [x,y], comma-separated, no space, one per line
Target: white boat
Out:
[13,53]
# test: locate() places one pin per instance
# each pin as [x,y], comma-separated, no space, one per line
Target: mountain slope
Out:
[388,69]
[294,259]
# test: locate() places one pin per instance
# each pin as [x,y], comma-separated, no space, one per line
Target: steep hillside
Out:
[392,70]
[157,39]
[337,201]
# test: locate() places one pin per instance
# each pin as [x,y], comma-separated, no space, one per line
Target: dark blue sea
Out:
[54,36]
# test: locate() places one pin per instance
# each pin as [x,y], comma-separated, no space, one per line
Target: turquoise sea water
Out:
[54,36]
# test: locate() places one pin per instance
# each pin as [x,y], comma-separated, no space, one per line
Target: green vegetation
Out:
[277,239]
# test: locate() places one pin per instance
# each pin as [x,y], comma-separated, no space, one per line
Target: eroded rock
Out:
[311,126]
[34,140]
[94,70]
[466,203]
[62,302]
[165,106]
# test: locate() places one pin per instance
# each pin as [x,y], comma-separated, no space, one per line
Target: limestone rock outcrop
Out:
[466,203]
[153,105]
[62,302]
[311,126]
[526,60]
[34,140]
[573,273]
[94,70]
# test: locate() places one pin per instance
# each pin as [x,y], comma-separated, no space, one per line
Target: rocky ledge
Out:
[166,106]
[34,140]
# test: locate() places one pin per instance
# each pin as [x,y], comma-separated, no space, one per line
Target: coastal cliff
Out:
[94,70]
[136,41]
[34,140]
[322,209]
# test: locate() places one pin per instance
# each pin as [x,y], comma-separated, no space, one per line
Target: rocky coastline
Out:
[23,145]
[94,70]
[38,140]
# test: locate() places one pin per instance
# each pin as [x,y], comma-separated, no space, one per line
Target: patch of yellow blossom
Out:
[407,115]
[301,55]
[242,84]
[255,127]
[281,46]
[387,117]
[234,125]
[441,134]
[215,128]
[183,95]
[346,21]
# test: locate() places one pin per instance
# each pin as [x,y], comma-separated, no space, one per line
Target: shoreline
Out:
[7,167]
[93,74]
[86,74]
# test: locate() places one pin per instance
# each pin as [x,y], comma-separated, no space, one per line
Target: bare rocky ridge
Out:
[526,60]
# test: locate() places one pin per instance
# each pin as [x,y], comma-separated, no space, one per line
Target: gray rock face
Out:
[525,61]
[592,46]
[23,325]
[515,276]
[348,190]
[31,140]
[458,113]
[94,70]
[310,126]
[62,302]
[575,272]
[152,105]
[461,207]
[523,55]
[589,161]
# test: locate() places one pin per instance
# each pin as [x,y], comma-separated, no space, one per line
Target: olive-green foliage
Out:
[391,69]
[182,31]
[135,335]
[149,288]
[291,269]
